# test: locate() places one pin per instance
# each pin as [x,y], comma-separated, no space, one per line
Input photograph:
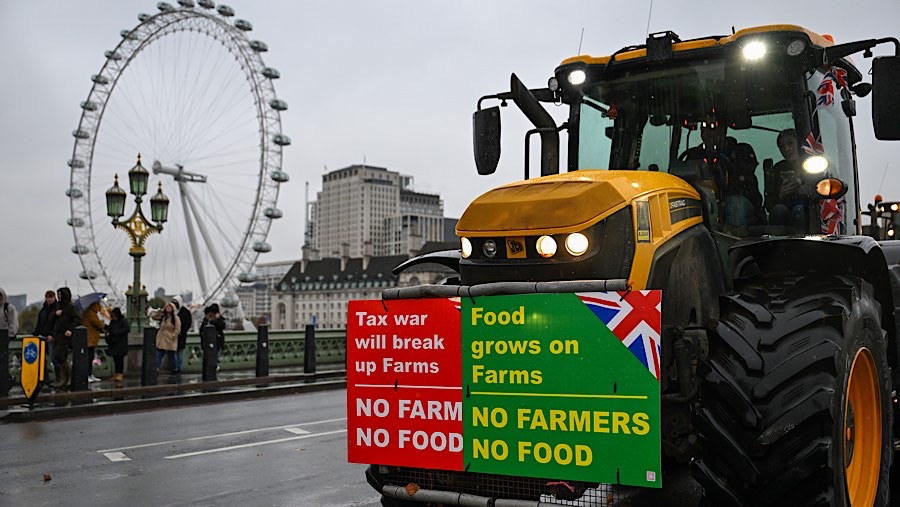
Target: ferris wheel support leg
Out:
[192,236]
[203,232]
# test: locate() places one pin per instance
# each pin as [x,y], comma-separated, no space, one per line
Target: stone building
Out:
[317,291]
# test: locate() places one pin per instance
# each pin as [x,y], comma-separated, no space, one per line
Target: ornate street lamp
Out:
[138,229]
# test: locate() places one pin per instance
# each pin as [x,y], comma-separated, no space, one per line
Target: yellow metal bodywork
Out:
[574,201]
[814,38]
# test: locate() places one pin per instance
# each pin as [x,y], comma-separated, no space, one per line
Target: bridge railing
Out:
[286,348]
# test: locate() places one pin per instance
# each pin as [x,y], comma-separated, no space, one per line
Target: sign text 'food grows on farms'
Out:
[562,386]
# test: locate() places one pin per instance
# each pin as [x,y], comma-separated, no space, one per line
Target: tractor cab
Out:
[759,123]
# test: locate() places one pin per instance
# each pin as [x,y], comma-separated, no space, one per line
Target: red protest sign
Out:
[404,378]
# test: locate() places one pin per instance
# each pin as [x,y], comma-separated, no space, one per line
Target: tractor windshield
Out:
[736,132]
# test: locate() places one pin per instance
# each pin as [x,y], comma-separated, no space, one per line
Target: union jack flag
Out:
[826,91]
[812,144]
[634,318]
[831,216]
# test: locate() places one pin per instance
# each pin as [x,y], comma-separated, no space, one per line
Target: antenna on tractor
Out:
[580,40]
[882,176]
[649,15]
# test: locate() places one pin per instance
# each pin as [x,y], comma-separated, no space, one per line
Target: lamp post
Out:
[138,229]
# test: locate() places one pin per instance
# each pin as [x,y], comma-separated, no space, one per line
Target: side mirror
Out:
[486,139]
[886,97]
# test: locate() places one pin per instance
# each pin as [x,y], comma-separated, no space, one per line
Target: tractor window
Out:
[594,148]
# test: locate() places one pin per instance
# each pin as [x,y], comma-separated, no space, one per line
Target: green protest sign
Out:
[563,386]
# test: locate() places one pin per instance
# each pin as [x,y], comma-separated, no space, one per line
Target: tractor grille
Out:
[547,491]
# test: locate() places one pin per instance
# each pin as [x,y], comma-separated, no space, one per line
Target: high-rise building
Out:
[362,204]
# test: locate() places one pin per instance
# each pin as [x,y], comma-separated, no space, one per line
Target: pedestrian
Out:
[215,319]
[44,328]
[117,342]
[186,320]
[91,321]
[167,335]
[8,317]
[67,320]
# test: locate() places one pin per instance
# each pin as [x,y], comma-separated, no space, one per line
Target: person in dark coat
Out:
[44,327]
[214,318]
[67,320]
[186,320]
[117,342]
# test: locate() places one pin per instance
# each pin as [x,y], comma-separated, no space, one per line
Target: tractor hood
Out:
[561,203]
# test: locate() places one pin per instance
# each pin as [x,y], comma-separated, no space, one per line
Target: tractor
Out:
[723,172]
[884,219]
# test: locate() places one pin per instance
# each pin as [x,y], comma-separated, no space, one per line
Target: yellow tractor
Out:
[721,171]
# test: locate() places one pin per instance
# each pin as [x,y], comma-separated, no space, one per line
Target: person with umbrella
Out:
[91,321]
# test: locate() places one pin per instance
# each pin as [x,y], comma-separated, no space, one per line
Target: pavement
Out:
[107,396]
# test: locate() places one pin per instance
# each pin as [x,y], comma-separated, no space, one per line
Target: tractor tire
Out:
[795,399]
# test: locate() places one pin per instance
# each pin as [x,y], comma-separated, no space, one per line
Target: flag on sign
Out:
[634,318]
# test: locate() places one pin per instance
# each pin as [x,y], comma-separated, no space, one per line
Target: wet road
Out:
[278,451]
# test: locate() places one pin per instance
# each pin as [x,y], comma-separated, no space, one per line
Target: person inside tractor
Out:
[787,195]
[742,200]
[729,170]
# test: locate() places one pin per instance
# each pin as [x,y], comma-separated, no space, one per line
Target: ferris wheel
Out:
[187,92]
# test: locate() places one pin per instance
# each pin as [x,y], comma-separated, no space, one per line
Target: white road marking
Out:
[253,444]
[220,435]
[296,431]
[116,456]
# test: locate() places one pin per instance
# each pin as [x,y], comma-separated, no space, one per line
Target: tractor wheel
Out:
[795,400]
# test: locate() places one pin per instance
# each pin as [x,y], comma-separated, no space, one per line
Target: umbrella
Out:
[82,303]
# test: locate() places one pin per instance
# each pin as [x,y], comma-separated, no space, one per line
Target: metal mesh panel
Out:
[547,491]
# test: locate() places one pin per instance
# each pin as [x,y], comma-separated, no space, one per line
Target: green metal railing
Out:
[285,349]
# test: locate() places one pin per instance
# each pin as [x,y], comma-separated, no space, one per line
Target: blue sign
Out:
[30,354]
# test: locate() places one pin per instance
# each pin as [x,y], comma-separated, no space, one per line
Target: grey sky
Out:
[392,81]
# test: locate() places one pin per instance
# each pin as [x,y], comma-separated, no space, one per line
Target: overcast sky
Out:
[391,82]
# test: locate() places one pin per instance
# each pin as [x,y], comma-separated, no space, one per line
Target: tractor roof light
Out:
[577,244]
[546,246]
[817,164]
[466,248]
[577,77]
[754,51]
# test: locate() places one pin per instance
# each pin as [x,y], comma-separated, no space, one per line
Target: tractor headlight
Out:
[816,164]
[576,244]
[576,77]
[546,246]
[466,248]
[754,50]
